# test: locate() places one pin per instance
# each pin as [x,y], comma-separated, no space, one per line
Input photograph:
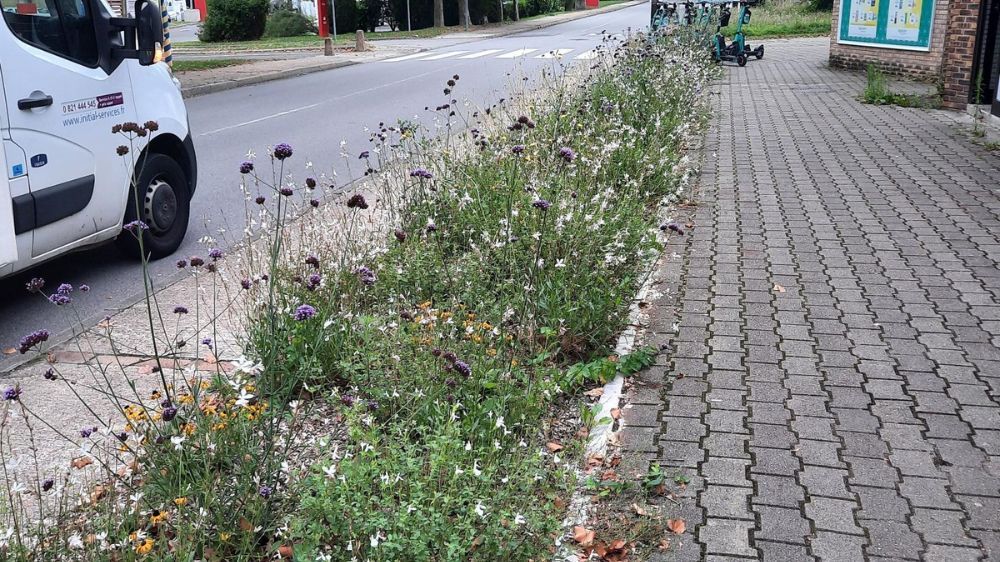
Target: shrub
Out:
[288,23]
[234,20]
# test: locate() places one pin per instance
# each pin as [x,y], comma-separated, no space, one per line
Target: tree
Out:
[438,13]
[463,13]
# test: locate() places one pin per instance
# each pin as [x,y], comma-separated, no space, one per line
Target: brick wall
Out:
[918,64]
[949,61]
[959,51]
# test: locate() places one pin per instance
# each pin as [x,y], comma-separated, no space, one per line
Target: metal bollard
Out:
[328,46]
[359,41]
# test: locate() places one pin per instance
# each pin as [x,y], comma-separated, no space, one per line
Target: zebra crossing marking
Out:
[481,54]
[444,55]
[517,53]
[406,57]
[554,53]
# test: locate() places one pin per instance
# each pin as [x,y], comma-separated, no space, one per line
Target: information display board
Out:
[892,24]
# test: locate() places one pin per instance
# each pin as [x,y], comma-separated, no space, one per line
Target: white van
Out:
[70,71]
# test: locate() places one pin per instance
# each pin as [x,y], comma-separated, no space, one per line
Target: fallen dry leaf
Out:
[10,351]
[779,288]
[664,544]
[595,460]
[583,536]
[616,413]
[615,461]
[475,543]
[98,493]
[595,392]
[639,510]
[285,551]
[559,503]
[677,526]
[553,447]
[582,433]
[245,524]
[80,462]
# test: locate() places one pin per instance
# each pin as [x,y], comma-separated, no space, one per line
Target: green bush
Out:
[234,20]
[288,23]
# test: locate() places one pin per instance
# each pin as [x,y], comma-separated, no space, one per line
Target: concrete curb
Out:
[203,89]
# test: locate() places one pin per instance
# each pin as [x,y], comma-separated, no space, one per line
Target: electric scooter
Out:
[738,49]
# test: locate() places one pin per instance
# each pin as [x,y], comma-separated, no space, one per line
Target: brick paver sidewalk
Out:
[832,387]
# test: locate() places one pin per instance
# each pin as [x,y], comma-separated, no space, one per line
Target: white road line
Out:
[587,54]
[406,57]
[517,53]
[481,54]
[259,119]
[554,53]
[444,55]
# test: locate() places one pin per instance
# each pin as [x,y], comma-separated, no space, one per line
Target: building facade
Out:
[952,43]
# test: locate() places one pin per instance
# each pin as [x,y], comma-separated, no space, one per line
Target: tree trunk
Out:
[438,13]
[463,13]
[581,4]
[517,12]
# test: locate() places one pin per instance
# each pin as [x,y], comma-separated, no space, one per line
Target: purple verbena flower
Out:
[65,289]
[366,276]
[59,299]
[541,204]
[364,154]
[246,167]
[265,491]
[47,484]
[311,183]
[567,154]
[463,368]
[196,261]
[12,393]
[181,264]
[168,413]
[347,400]
[372,405]
[260,199]
[357,201]
[31,340]
[286,191]
[136,226]
[282,151]
[84,288]
[246,284]
[421,173]
[304,312]
[517,148]
[180,310]
[207,342]
[87,432]
[35,285]
[400,235]
[215,254]
[50,374]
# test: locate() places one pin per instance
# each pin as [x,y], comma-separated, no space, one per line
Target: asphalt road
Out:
[313,113]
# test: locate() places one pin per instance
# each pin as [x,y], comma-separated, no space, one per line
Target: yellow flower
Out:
[188,428]
[492,352]
[145,546]
[186,399]
[181,501]
[155,395]
[224,536]
[159,517]
[219,426]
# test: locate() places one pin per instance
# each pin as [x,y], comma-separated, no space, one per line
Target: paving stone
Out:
[726,536]
[834,547]
[780,524]
[881,503]
[945,553]
[830,514]
[892,539]
[940,526]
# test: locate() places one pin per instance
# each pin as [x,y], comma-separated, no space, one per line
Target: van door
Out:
[60,109]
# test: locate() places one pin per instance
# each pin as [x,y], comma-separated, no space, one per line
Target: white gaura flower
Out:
[480,509]
[560,264]
[330,471]
[519,519]
[245,397]
[177,440]
[75,541]
[468,445]
[475,468]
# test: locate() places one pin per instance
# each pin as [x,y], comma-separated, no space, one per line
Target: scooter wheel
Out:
[741,59]
[759,53]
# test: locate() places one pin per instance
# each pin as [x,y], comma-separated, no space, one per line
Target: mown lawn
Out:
[205,64]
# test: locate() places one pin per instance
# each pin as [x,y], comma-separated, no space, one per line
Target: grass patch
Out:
[782,19]
[877,92]
[205,64]
[306,42]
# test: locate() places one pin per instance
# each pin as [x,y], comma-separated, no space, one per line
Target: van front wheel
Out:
[160,199]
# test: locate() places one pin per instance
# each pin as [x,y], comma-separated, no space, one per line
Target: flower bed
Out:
[423,333]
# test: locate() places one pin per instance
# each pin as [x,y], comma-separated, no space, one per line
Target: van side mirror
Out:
[118,38]
[149,31]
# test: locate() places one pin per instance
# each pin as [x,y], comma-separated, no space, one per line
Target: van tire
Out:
[162,181]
